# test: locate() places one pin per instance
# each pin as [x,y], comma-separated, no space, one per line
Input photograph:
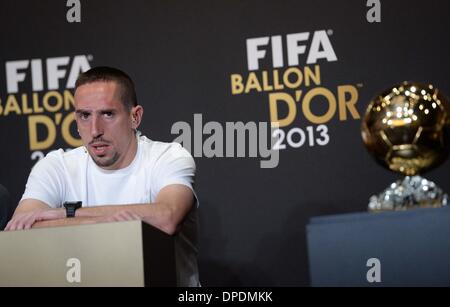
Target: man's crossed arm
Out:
[167,212]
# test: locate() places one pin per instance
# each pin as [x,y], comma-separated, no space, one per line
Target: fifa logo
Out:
[296,44]
[56,68]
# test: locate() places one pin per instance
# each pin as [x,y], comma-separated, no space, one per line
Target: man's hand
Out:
[31,211]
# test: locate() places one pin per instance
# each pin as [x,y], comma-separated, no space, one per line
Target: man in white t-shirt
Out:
[117,175]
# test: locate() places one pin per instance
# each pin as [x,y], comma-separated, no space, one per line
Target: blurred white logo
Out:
[74,13]
[74,273]
[374,14]
[229,140]
[374,274]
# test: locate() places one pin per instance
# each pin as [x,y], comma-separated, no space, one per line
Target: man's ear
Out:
[136,116]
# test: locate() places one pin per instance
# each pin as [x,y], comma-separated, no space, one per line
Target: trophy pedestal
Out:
[413,248]
[411,192]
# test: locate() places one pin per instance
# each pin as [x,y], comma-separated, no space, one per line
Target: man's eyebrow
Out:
[79,111]
[112,110]
[107,110]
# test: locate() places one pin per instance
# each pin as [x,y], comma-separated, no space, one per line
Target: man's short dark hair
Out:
[107,74]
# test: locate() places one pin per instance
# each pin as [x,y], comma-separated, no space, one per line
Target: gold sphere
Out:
[406,128]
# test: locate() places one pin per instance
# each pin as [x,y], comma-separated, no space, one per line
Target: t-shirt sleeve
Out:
[45,182]
[174,166]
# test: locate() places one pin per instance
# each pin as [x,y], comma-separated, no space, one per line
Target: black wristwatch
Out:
[71,207]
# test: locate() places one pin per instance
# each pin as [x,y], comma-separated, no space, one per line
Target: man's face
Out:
[105,126]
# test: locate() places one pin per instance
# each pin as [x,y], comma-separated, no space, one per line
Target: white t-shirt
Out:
[74,176]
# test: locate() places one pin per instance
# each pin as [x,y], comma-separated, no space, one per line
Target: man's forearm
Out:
[155,214]
[68,222]
[108,210]
[101,210]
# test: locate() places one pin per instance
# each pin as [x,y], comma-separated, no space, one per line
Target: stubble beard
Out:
[108,162]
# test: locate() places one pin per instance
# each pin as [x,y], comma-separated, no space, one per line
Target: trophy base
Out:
[411,192]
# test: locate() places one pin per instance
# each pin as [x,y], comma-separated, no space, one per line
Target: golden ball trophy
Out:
[407,130]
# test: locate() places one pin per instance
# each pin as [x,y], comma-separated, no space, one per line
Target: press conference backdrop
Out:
[203,66]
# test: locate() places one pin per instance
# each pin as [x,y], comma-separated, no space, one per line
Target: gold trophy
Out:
[407,130]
